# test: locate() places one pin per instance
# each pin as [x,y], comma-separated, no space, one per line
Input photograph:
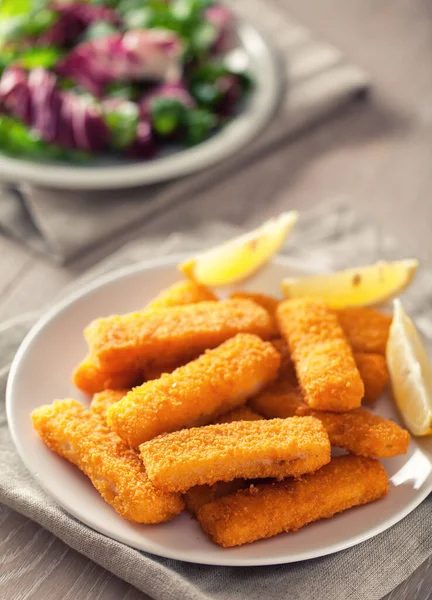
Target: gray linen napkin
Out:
[62,223]
[328,238]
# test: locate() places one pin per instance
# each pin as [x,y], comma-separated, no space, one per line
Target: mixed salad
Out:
[80,78]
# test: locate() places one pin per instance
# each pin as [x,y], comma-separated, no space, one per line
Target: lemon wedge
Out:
[239,258]
[410,373]
[362,286]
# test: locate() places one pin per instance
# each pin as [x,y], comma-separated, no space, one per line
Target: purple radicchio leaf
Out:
[152,54]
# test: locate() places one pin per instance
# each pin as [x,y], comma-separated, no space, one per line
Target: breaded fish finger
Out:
[324,363]
[103,400]
[366,329]
[199,495]
[244,449]
[268,303]
[91,379]
[266,510]
[78,435]
[181,293]
[218,381]
[357,431]
[372,368]
[243,413]
[169,335]
[374,372]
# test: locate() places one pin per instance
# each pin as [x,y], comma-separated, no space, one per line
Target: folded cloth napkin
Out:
[62,223]
[326,239]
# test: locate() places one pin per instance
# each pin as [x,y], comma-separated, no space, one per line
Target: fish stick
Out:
[103,400]
[243,413]
[357,431]
[80,436]
[90,378]
[244,449]
[199,495]
[373,370]
[268,303]
[366,329]
[181,293]
[324,363]
[218,381]
[168,335]
[266,510]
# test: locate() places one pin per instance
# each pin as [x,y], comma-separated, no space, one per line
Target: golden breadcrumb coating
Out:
[287,370]
[365,434]
[366,329]
[374,372]
[164,336]
[218,381]
[280,400]
[268,303]
[91,379]
[266,510]
[243,413]
[324,363]
[199,495]
[357,431]
[244,449]
[181,293]
[103,400]
[80,436]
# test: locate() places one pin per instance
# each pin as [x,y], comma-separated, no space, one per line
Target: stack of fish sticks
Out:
[230,408]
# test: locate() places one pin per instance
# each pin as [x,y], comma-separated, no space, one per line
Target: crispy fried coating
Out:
[266,510]
[357,431]
[324,363]
[80,436]
[287,370]
[280,400]
[199,495]
[268,303]
[181,293]
[243,413]
[366,329]
[374,372]
[218,381]
[168,335]
[364,434]
[372,368]
[103,400]
[91,379]
[244,449]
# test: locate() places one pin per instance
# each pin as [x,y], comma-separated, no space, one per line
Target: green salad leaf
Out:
[200,124]
[167,115]
[98,30]
[39,57]
[18,140]
[122,123]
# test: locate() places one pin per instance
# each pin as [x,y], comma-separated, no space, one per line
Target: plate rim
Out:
[234,136]
[119,274]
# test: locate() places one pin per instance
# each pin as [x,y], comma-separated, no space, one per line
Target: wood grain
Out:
[376,154]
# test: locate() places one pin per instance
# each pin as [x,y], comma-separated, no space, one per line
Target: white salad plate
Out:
[263,65]
[41,372]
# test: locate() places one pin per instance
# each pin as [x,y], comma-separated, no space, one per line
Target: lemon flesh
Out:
[410,373]
[241,257]
[362,286]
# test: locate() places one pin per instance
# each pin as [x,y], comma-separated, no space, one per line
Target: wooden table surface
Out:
[377,155]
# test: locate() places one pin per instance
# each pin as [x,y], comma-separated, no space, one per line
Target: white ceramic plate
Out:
[269,80]
[41,372]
